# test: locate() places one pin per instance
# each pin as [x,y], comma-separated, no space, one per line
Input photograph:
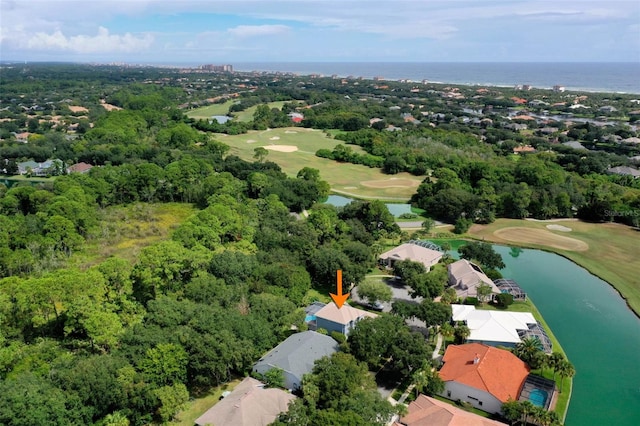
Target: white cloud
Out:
[101,42]
[257,30]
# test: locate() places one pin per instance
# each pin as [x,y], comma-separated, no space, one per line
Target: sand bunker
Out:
[290,132]
[350,187]
[282,148]
[559,228]
[391,183]
[251,141]
[540,237]
[78,109]
[274,138]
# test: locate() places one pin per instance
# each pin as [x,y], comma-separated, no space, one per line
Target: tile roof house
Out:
[249,404]
[79,168]
[465,277]
[342,320]
[497,328]
[410,251]
[482,375]
[296,355]
[425,411]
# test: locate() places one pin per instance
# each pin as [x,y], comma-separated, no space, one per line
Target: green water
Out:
[599,333]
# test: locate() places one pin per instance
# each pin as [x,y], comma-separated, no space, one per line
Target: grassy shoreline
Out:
[610,256]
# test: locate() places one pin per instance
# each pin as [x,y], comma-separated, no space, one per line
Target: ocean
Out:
[575,76]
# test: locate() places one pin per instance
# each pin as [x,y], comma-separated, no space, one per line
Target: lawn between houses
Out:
[351,180]
[611,253]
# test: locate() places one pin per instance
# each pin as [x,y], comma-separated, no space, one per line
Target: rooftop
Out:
[344,315]
[250,404]
[493,370]
[425,411]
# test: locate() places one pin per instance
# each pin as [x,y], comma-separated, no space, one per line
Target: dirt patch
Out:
[559,228]
[391,183]
[77,109]
[282,148]
[109,107]
[541,237]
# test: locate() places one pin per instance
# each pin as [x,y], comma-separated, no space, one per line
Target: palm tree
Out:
[527,408]
[526,348]
[554,361]
[447,332]
[462,332]
[565,369]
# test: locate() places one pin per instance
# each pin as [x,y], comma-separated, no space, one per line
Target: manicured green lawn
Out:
[209,110]
[612,254]
[345,179]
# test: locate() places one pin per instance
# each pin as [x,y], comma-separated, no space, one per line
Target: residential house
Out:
[465,277]
[484,376]
[79,168]
[249,404]
[296,117]
[342,319]
[426,411]
[624,171]
[525,149]
[296,355]
[410,251]
[500,328]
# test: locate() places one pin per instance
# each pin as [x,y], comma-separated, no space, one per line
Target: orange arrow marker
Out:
[339,298]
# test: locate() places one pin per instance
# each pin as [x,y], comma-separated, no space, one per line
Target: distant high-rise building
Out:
[217,68]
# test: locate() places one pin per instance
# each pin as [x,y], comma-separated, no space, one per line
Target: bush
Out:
[408,216]
[504,299]
[338,337]
[462,225]
[471,301]
[494,274]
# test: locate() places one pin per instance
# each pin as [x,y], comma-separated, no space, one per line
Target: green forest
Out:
[92,337]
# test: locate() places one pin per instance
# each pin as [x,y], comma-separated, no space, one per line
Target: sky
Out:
[235,31]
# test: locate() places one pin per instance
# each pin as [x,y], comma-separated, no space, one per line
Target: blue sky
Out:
[233,31]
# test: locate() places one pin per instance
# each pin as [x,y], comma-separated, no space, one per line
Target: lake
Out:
[395,209]
[599,333]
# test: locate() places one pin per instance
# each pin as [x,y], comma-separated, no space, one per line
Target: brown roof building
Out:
[482,375]
[250,404]
[413,252]
[425,411]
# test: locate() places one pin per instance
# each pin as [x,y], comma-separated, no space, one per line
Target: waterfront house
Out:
[465,277]
[484,376]
[411,251]
[426,411]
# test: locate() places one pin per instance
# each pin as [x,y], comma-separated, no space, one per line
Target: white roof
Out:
[493,326]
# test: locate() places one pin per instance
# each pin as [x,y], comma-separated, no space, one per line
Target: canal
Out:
[599,333]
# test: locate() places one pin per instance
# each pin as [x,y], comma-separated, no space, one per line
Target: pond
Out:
[221,118]
[395,209]
[597,330]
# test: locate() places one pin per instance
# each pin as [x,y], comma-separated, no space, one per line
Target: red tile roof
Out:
[425,411]
[497,371]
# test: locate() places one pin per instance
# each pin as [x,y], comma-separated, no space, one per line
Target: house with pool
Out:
[331,318]
[500,328]
[415,251]
[487,377]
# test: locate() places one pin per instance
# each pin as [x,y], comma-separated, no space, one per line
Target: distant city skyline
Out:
[219,32]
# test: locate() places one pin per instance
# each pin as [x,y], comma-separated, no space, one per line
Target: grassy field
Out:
[223,109]
[128,229]
[608,250]
[199,406]
[345,179]
[209,110]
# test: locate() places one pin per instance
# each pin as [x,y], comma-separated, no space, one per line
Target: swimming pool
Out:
[538,397]
[309,318]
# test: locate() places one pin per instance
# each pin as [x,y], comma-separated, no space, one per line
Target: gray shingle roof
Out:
[298,352]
